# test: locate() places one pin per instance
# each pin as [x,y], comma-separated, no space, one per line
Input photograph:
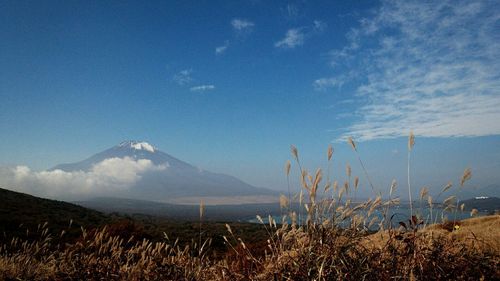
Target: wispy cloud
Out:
[242,25]
[347,53]
[221,49]
[291,11]
[336,81]
[242,28]
[106,178]
[183,77]
[295,37]
[430,67]
[319,26]
[202,88]
[325,83]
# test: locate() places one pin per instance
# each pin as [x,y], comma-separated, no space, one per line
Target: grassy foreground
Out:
[324,237]
[314,252]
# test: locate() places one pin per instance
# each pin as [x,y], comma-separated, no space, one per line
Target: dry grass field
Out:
[480,232]
[324,239]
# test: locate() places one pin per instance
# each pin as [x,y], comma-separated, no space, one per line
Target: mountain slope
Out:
[133,149]
[29,211]
[175,179]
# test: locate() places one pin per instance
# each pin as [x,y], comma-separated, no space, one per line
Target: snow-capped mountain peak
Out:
[166,176]
[138,145]
[143,146]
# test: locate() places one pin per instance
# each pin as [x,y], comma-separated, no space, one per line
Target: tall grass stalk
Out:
[295,154]
[411,143]
[287,172]
[467,175]
[353,146]
[202,213]
[329,155]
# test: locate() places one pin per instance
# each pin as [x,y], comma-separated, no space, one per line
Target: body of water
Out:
[395,215]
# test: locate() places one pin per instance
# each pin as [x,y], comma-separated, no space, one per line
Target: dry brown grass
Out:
[334,243]
[480,232]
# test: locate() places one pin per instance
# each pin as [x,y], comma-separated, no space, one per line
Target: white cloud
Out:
[294,37]
[322,84]
[221,49]
[183,77]
[202,88]
[291,11]
[347,52]
[242,28]
[433,68]
[105,178]
[319,26]
[242,25]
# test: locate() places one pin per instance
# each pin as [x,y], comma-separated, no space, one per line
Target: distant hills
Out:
[483,204]
[492,190]
[235,212]
[174,179]
[21,215]
[18,209]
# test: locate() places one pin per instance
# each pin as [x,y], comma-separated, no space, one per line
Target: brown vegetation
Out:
[333,241]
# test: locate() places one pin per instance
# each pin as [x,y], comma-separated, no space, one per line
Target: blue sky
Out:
[229,85]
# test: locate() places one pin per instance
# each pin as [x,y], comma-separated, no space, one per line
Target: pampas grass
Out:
[287,172]
[341,240]
[354,148]
[411,143]
[467,175]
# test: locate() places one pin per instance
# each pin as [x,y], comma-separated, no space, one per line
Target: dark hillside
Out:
[19,212]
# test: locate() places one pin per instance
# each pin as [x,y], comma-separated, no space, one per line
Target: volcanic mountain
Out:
[172,179]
